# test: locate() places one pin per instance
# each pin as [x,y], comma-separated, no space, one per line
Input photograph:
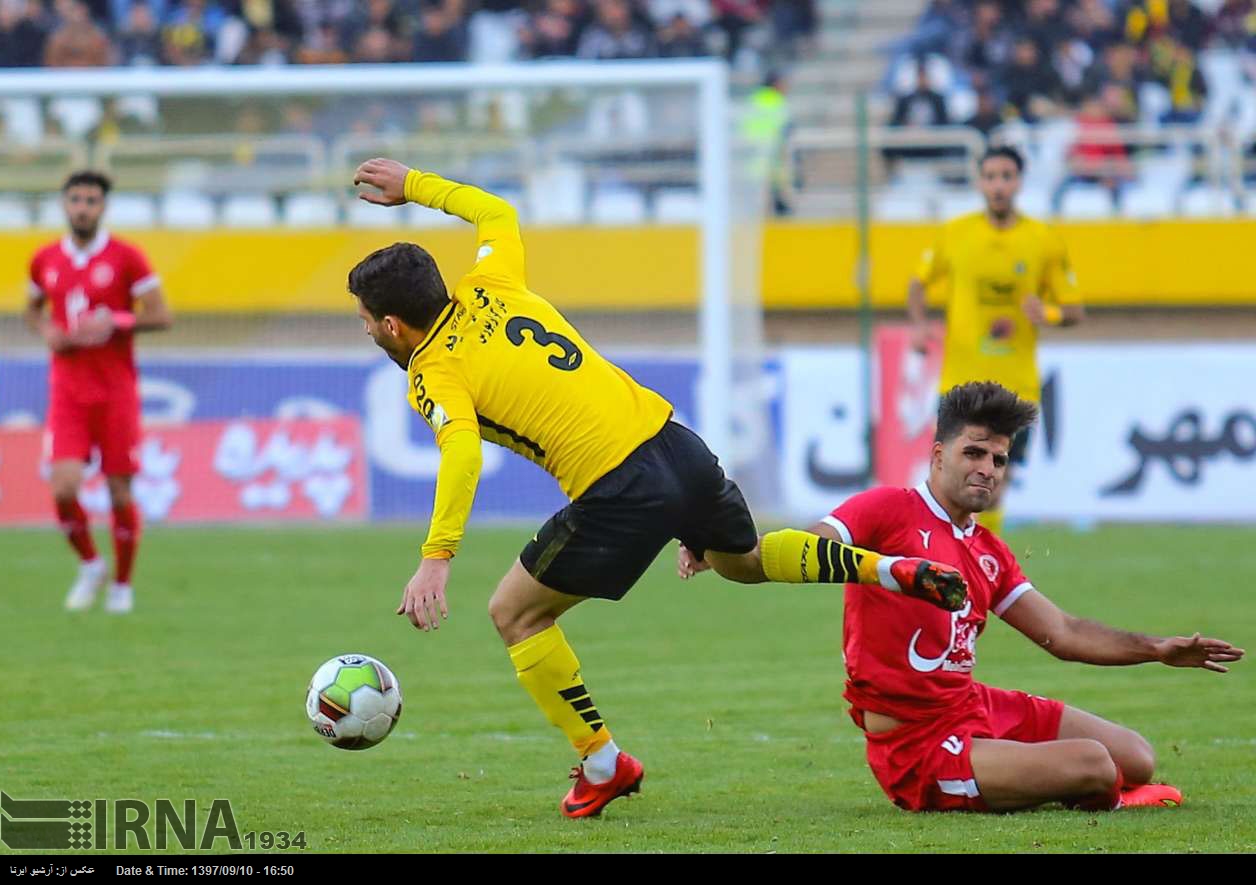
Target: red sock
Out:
[126,537]
[74,523]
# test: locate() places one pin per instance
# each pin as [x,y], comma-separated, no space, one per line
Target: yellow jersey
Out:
[503,362]
[989,271]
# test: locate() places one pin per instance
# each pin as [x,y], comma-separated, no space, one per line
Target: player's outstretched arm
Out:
[423,600]
[1090,642]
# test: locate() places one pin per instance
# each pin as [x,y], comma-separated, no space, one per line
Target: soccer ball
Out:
[353,701]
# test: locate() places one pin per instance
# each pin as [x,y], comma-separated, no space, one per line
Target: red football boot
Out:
[935,583]
[1149,795]
[586,800]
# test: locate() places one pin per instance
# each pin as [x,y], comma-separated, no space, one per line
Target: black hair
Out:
[88,177]
[400,280]
[982,404]
[1003,150]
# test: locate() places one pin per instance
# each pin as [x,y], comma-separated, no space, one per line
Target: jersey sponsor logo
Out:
[102,275]
[924,537]
[959,656]
[953,745]
[990,566]
[438,418]
[50,278]
[484,252]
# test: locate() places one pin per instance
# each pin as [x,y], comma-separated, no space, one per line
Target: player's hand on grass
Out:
[93,329]
[688,565]
[388,176]
[1197,651]
[423,601]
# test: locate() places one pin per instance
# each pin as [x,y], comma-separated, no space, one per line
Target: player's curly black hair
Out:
[983,404]
[88,177]
[400,280]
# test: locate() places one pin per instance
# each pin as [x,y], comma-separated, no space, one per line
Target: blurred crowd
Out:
[1039,59]
[94,33]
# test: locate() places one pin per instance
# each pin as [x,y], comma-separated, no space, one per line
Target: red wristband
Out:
[123,320]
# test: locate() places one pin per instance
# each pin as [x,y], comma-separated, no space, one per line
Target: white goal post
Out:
[708,79]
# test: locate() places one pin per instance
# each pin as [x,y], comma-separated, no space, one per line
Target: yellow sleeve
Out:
[499,248]
[442,399]
[456,480]
[934,264]
[1059,279]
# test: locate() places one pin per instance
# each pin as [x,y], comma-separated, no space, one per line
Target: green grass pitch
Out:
[731,696]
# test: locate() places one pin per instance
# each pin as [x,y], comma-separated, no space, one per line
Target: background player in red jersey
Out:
[99,290]
[936,739]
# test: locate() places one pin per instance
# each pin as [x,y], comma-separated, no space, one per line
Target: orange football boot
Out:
[935,583]
[587,800]
[1151,795]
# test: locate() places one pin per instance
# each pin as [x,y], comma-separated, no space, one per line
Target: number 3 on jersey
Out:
[568,361]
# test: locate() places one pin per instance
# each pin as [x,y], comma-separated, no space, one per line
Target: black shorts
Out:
[671,486]
[1019,451]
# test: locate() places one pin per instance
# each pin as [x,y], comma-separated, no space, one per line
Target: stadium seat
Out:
[676,205]
[49,213]
[359,213]
[1169,169]
[618,205]
[22,121]
[1149,199]
[1086,201]
[131,210]
[1035,201]
[14,212]
[901,204]
[187,209]
[249,210]
[310,209]
[1206,201]
[952,203]
[556,195]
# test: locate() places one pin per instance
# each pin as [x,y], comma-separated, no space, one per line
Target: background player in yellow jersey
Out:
[1006,275]
[494,361]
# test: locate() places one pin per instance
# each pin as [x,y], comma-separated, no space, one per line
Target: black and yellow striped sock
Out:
[791,556]
[549,670]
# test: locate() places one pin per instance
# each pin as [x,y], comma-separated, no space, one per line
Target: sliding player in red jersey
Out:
[937,740]
[99,291]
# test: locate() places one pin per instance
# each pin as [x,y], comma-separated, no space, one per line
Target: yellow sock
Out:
[794,557]
[993,520]
[549,670]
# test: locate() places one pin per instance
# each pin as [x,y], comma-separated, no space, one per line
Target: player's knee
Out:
[1093,768]
[1137,760]
[64,490]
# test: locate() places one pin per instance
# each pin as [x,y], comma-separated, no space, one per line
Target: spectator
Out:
[1231,23]
[78,42]
[678,38]
[1045,25]
[554,30]
[1032,89]
[1179,73]
[322,46]
[615,34]
[23,33]
[375,46]
[734,17]
[1094,22]
[987,118]
[934,32]
[442,33]
[989,46]
[794,21]
[1188,24]
[1118,67]
[374,15]
[191,31]
[921,107]
[139,42]
[1098,156]
[272,30]
[1073,58]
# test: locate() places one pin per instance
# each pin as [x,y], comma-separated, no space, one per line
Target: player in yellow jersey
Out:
[493,361]
[1007,276]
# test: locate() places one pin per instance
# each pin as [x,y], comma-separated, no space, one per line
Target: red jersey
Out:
[108,272]
[904,657]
